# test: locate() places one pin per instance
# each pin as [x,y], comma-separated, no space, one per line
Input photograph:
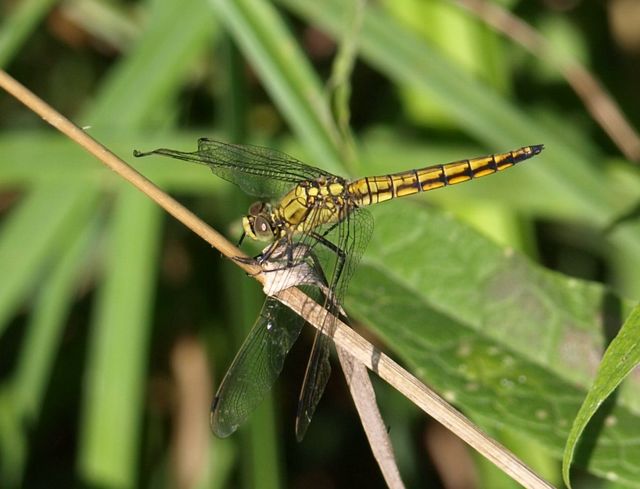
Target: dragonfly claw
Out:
[245,259]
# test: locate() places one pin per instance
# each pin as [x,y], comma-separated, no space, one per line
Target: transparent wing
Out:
[315,381]
[256,367]
[349,239]
[258,171]
[335,248]
[318,368]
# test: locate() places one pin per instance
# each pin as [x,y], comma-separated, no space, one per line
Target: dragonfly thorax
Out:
[313,203]
[307,206]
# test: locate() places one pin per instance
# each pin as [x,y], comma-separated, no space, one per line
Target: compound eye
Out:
[261,228]
[256,208]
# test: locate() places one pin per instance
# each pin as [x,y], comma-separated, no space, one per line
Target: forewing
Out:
[256,367]
[258,171]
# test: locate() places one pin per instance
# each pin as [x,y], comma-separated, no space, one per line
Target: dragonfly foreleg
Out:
[269,253]
[261,258]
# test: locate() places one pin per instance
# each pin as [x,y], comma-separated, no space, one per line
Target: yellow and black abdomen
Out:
[371,190]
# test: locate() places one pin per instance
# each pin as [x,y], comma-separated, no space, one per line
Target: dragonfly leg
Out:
[260,259]
[267,254]
[293,258]
[342,256]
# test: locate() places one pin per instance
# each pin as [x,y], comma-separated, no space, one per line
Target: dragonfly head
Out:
[258,224]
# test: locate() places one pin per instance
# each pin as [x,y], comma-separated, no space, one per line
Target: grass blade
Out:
[111,424]
[285,72]
[33,235]
[19,25]
[621,357]
[144,81]
[26,390]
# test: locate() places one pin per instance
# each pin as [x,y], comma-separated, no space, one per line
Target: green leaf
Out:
[470,44]
[19,24]
[26,390]
[621,357]
[33,235]
[117,360]
[46,326]
[140,87]
[529,451]
[284,70]
[12,442]
[513,344]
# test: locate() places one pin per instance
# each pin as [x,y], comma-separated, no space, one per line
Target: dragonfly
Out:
[316,227]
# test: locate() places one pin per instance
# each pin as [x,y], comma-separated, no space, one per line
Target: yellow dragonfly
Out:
[317,219]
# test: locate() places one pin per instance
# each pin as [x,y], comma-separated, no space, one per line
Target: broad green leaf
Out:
[117,359]
[513,344]
[529,451]
[621,357]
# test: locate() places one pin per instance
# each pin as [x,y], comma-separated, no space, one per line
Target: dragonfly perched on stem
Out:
[316,224]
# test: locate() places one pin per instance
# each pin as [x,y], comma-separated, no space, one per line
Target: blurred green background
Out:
[117,324]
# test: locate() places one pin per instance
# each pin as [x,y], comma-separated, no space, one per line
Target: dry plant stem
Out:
[601,106]
[364,398]
[343,336]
